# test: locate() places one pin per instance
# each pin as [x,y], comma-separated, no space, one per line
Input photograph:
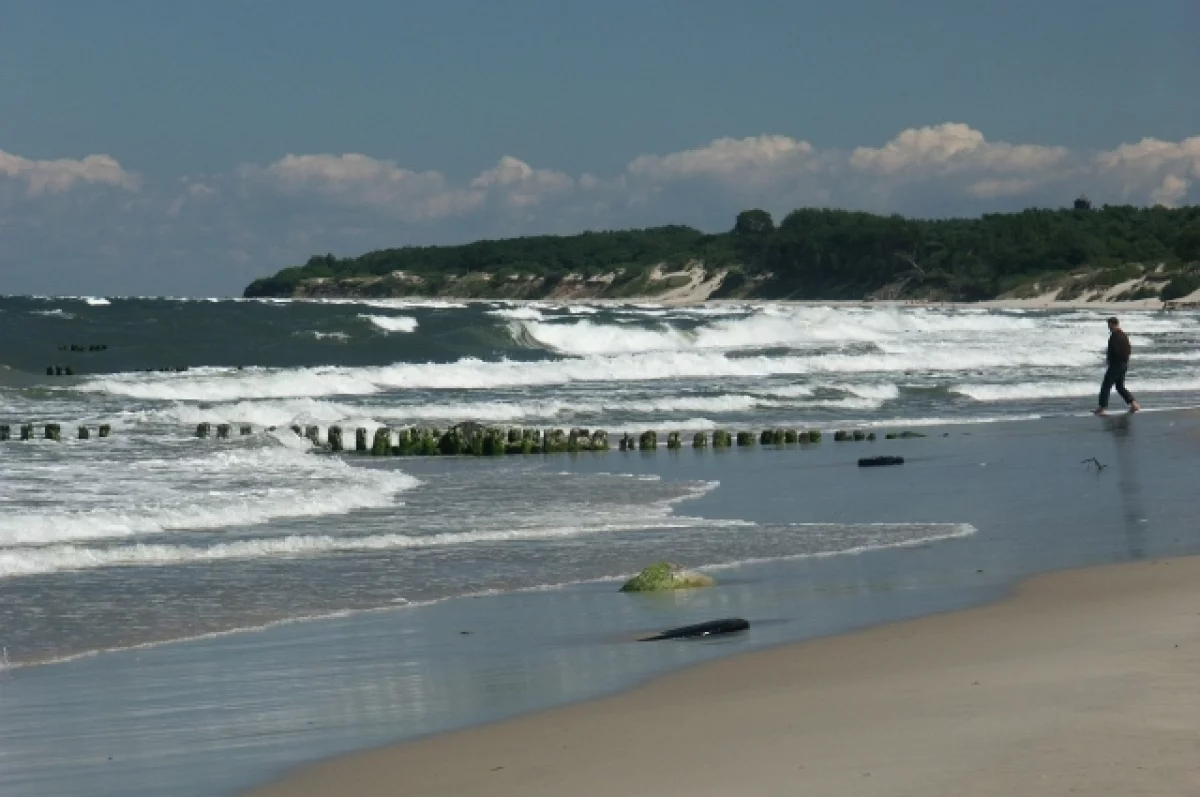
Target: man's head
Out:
[1113,323]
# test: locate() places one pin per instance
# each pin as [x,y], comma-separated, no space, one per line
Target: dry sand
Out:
[1085,682]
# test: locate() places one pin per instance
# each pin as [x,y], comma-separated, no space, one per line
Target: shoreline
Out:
[1187,303]
[1076,678]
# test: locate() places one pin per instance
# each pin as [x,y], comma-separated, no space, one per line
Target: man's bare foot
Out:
[1135,407]
[1100,411]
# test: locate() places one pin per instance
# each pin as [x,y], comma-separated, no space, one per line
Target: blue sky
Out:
[469,119]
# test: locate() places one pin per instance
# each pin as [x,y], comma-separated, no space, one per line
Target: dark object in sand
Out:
[710,628]
[878,462]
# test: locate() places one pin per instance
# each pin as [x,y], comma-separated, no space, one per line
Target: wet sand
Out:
[1083,682]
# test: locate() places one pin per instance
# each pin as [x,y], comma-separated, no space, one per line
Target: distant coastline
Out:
[1133,257]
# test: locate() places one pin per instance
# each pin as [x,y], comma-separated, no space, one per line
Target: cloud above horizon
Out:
[92,224]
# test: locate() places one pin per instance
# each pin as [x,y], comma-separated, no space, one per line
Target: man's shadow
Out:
[1128,483]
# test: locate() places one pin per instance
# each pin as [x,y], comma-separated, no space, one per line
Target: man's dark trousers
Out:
[1115,376]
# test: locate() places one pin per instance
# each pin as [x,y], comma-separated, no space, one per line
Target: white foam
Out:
[386,304]
[517,313]
[769,327]
[589,337]
[216,488]
[475,374]
[97,301]
[342,336]
[1170,356]
[272,412]
[55,313]
[389,323]
[1025,391]
[954,531]
[284,412]
[20,561]
[874,391]
[26,561]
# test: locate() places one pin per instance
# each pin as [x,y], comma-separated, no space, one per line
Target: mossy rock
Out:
[722,439]
[745,438]
[664,576]
[700,440]
[791,436]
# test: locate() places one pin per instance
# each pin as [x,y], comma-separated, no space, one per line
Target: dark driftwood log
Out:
[710,628]
[878,462]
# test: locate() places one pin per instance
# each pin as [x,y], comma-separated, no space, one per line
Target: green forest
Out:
[811,254]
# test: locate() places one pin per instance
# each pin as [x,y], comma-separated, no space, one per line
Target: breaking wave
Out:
[208,491]
[392,323]
[474,374]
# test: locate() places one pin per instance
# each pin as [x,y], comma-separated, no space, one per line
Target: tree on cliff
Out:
[754,222]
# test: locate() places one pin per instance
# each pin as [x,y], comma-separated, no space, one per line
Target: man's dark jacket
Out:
[1118,348]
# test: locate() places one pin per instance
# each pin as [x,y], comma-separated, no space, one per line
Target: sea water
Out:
[337,602]
[153,534]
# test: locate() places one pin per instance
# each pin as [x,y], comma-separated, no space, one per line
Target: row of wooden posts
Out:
[52,431]
[477,440]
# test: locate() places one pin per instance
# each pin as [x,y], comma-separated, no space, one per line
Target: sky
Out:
[185,148]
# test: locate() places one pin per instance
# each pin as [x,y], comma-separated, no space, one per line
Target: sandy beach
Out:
[1083,682]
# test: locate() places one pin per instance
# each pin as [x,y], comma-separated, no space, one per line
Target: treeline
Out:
[820,254]
[550,257]
[829,253]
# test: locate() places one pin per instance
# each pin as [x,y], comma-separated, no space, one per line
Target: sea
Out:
[230,561]
[153,534]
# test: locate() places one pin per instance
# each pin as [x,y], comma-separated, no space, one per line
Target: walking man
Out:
[1118,362]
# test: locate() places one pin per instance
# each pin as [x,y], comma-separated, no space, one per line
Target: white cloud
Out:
[54,176]
[1152,153]
[995,188]
[1171,192]
[1151,169]
[950,148]
[521,185]
[258,218]
[724,157]
[361,181]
